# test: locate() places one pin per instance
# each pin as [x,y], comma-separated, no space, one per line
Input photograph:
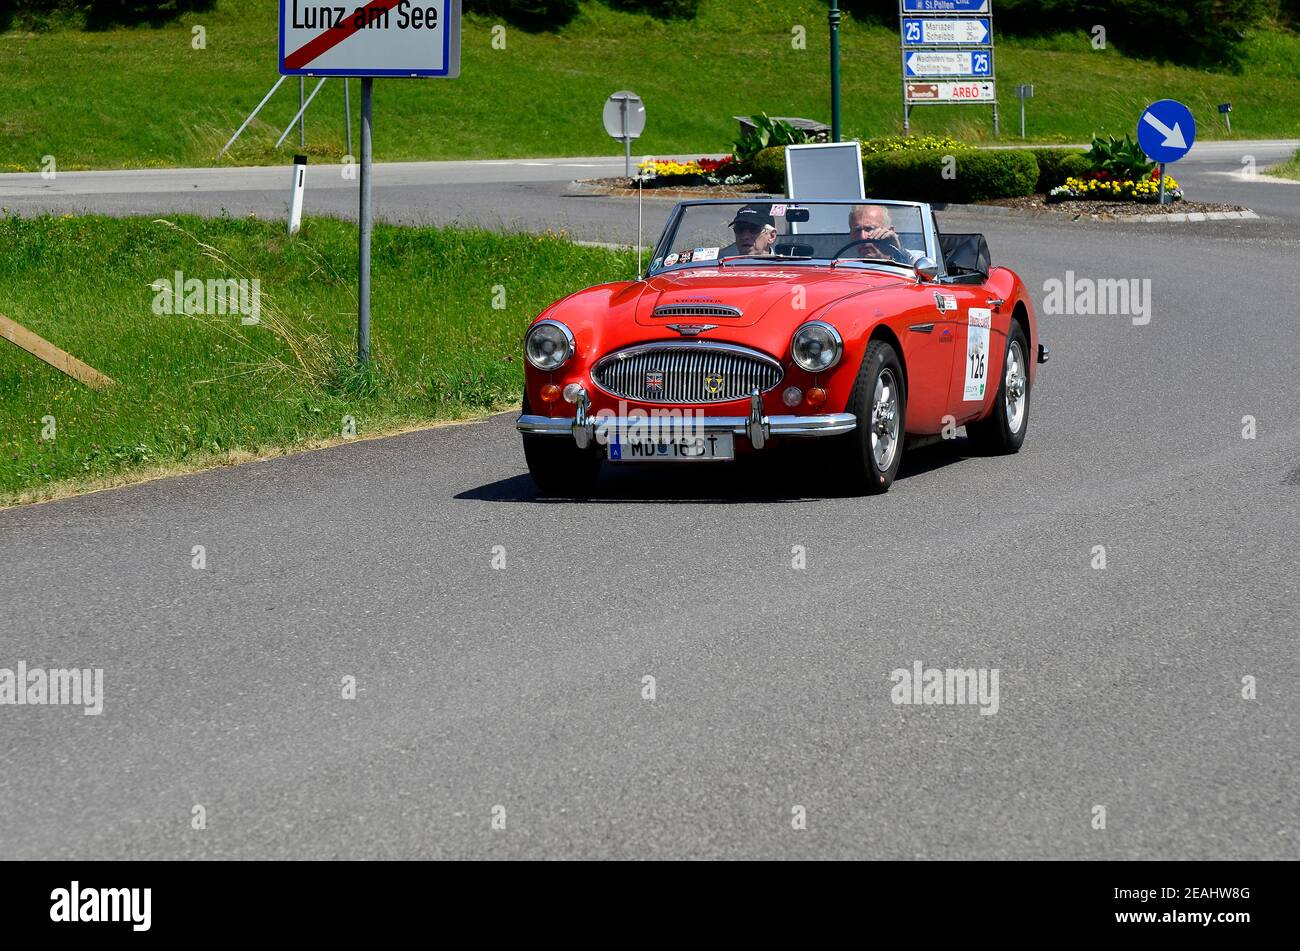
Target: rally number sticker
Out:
[979,323]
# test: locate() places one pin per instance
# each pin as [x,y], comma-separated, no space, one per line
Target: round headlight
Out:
[549,345]
[816,346]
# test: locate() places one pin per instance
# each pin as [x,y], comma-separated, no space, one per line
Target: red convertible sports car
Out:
[853,322]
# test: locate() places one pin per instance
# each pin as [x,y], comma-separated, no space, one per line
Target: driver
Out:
[871,223]
[755,230]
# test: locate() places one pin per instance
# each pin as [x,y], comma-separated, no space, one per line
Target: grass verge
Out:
[449,310]
[144,97]
[1288,169]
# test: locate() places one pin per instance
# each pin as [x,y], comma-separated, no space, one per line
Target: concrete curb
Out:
[998,211]
[1196,216]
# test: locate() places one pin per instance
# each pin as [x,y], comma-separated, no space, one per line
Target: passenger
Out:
[755,231]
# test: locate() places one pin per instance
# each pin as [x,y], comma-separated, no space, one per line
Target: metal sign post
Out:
[834,20]
[1166,132]
[364,221]
[1023,93]
[946,49]
[624,119]
[1225,109]
[380,38]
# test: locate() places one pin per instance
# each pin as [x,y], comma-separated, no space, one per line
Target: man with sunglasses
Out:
[755,231]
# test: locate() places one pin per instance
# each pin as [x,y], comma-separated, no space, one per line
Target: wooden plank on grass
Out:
[61,360]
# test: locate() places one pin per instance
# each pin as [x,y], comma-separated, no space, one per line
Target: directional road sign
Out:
[949,63]
[920,90]
[1166,131]
[974,31]
[945,6]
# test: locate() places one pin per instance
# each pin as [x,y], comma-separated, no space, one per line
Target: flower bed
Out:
[662,173]
[1104,186]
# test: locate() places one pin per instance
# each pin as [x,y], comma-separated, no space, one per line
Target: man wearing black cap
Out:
[755,230]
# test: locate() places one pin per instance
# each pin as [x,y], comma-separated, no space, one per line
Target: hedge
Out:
[919,176]
[1056,165]
[964,177]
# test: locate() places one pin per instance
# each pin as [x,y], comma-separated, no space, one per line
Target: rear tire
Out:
[1003,431]
[558,466]
[869,456]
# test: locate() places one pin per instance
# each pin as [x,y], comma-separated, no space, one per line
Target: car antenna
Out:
[639,181]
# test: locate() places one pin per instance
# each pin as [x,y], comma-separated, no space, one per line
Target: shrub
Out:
[95,14]
[768,167]
[979,175]
[1122,158]
[915,143]
[533,15]
[1056,165]
[918,175]
[767,132]
[662,9]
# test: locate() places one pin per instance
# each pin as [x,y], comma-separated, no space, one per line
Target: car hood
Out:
[783,294]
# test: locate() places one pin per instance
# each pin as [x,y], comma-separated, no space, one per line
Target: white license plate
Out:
[711,447]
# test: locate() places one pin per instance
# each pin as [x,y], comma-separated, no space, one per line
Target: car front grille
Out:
[682,373]
[696,310]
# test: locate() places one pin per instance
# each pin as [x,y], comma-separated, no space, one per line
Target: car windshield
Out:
[786,232]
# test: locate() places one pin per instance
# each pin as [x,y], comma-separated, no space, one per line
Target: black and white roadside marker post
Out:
[296,187]
[381,38]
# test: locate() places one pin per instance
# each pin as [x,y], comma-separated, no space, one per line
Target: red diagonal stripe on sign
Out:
[335,35]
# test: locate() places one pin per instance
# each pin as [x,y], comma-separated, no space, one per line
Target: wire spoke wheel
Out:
[1016,386]
[884,420]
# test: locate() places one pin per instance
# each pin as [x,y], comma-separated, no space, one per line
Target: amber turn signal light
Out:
[550,393]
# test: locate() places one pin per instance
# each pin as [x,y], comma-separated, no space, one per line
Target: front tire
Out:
[558,466]
[871,454]
[1003,432]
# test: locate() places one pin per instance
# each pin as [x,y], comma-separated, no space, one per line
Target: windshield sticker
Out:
[706,254]
[655,263]
[670,260]
[684,257]
[778,211]
[977,352]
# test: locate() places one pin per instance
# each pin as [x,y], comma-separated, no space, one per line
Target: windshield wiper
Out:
[764,257]
[871,261]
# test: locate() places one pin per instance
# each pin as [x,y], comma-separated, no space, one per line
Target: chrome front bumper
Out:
[756,427]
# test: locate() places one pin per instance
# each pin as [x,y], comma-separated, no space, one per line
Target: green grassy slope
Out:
[144,97]
[192,386]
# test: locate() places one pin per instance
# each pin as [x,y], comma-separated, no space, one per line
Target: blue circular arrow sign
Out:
[1166,131]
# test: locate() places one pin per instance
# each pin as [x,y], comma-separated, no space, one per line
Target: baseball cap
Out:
[755,215]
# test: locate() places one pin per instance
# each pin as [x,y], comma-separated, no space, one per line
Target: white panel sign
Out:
[375,38]
[921,91]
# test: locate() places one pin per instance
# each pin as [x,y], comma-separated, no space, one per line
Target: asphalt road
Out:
[516,195]
[521,687]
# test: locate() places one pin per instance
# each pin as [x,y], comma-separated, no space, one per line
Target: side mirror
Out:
[926,270]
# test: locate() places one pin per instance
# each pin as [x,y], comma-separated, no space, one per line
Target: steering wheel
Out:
[894,252]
